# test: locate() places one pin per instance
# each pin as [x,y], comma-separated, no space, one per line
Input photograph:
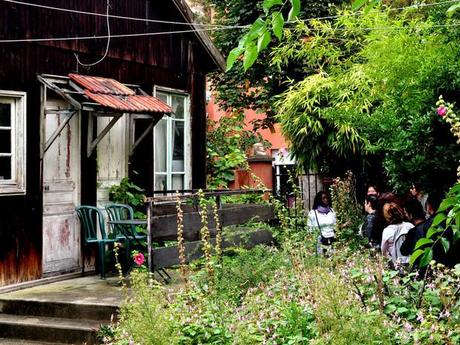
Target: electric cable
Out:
[106,47]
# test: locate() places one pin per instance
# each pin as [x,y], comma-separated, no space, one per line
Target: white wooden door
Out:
[112,157]
[61,193]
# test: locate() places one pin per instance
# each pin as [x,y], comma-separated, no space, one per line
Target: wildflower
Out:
[442,110]
[139,259]
[444,314]
[420,317]
[407,326]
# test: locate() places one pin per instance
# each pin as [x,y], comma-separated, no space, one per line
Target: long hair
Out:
[317,200]
[393,213]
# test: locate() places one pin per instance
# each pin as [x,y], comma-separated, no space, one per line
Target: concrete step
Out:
[49,329]
[58,309]
[4,341]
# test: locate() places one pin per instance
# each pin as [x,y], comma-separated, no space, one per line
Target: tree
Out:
[370,92]
[256,87]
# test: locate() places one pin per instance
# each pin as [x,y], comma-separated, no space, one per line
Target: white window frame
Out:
[187,135]
[17,183]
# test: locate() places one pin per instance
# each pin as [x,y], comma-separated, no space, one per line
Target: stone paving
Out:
[84,290]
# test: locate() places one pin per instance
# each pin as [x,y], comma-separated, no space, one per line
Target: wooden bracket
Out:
[57,131]
[93,143]
[144,134]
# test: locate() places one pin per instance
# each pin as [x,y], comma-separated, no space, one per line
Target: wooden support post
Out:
[149,236]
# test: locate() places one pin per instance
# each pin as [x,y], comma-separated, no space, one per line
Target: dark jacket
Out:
[414,234]
[368,225]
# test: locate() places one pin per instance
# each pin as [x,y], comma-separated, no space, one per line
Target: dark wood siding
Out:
[164,60]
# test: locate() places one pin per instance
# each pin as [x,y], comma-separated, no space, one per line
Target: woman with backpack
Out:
[394,234]
[322,218]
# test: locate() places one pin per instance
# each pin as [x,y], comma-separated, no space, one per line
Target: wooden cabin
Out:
[69,131]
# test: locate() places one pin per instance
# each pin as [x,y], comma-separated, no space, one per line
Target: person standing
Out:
[416,192]
[416,216]
[322,218]
[392,234]
[371,204]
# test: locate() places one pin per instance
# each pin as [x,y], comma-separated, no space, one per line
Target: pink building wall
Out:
[276,139]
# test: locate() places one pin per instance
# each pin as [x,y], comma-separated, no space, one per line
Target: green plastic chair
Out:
[90,217]
[124,212]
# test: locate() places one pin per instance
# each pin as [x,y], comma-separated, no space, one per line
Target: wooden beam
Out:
[169,256]
[101,135]
[144,134]
[60,92]
[58,130]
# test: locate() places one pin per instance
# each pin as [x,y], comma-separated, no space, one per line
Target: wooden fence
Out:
[162,226]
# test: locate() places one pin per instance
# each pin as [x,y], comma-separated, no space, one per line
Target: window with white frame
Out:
[171,143]
[12,142]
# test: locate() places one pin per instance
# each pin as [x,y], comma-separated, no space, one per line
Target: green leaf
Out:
[264,40]
[447,203]
[445,244]
[427,257]
[433,231]
[267,4]
[415,255]
[456,236]
[453,9]
[278,24]
[390,308]
[438,219]
[423,241]
[233,56]
[255,29]
[250,56]
[295,10]
[357,4]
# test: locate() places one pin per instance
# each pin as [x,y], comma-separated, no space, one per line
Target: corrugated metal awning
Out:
[112,94]
[99,96]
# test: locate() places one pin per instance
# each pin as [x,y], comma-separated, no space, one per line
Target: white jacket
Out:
[389,236]
[327,222]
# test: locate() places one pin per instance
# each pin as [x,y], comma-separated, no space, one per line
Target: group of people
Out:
[392,225]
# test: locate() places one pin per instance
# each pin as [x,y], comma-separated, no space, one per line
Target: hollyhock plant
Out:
[442,111]
[139,259]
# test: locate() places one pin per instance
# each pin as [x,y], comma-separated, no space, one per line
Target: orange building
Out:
[271,168]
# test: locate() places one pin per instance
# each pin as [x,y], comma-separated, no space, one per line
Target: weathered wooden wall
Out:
[175,61]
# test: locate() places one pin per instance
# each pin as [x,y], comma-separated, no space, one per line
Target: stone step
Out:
[49,329]
[4,341]
[58,309]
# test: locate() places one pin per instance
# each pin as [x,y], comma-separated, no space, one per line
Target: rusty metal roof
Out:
[112,94]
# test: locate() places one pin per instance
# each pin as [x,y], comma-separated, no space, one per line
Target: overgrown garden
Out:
[357,90]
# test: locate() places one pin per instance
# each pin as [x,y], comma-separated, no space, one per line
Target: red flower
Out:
[139,259]
[442,110]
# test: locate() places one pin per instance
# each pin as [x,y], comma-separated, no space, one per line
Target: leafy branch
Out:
[260,33]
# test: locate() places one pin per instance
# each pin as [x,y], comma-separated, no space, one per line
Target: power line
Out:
[415,6]
[61,9]
[80,38]
[49,39]
[106,47]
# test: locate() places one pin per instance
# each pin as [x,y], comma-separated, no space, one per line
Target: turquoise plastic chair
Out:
[90,217]
[124,212]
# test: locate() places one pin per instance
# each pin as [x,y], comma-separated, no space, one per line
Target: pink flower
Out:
[139,259]
[442,110]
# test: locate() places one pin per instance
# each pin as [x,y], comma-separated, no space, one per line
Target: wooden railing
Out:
[162,224]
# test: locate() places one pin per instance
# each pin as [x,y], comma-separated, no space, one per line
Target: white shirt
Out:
[327,222]
[389,236]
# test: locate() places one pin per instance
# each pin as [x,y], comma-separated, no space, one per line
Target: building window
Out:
[12,142]
[171,143]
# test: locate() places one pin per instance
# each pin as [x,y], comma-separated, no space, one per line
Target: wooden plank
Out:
[165,227]
[169,256]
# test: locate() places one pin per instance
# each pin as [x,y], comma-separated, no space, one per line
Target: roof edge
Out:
[202,36]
